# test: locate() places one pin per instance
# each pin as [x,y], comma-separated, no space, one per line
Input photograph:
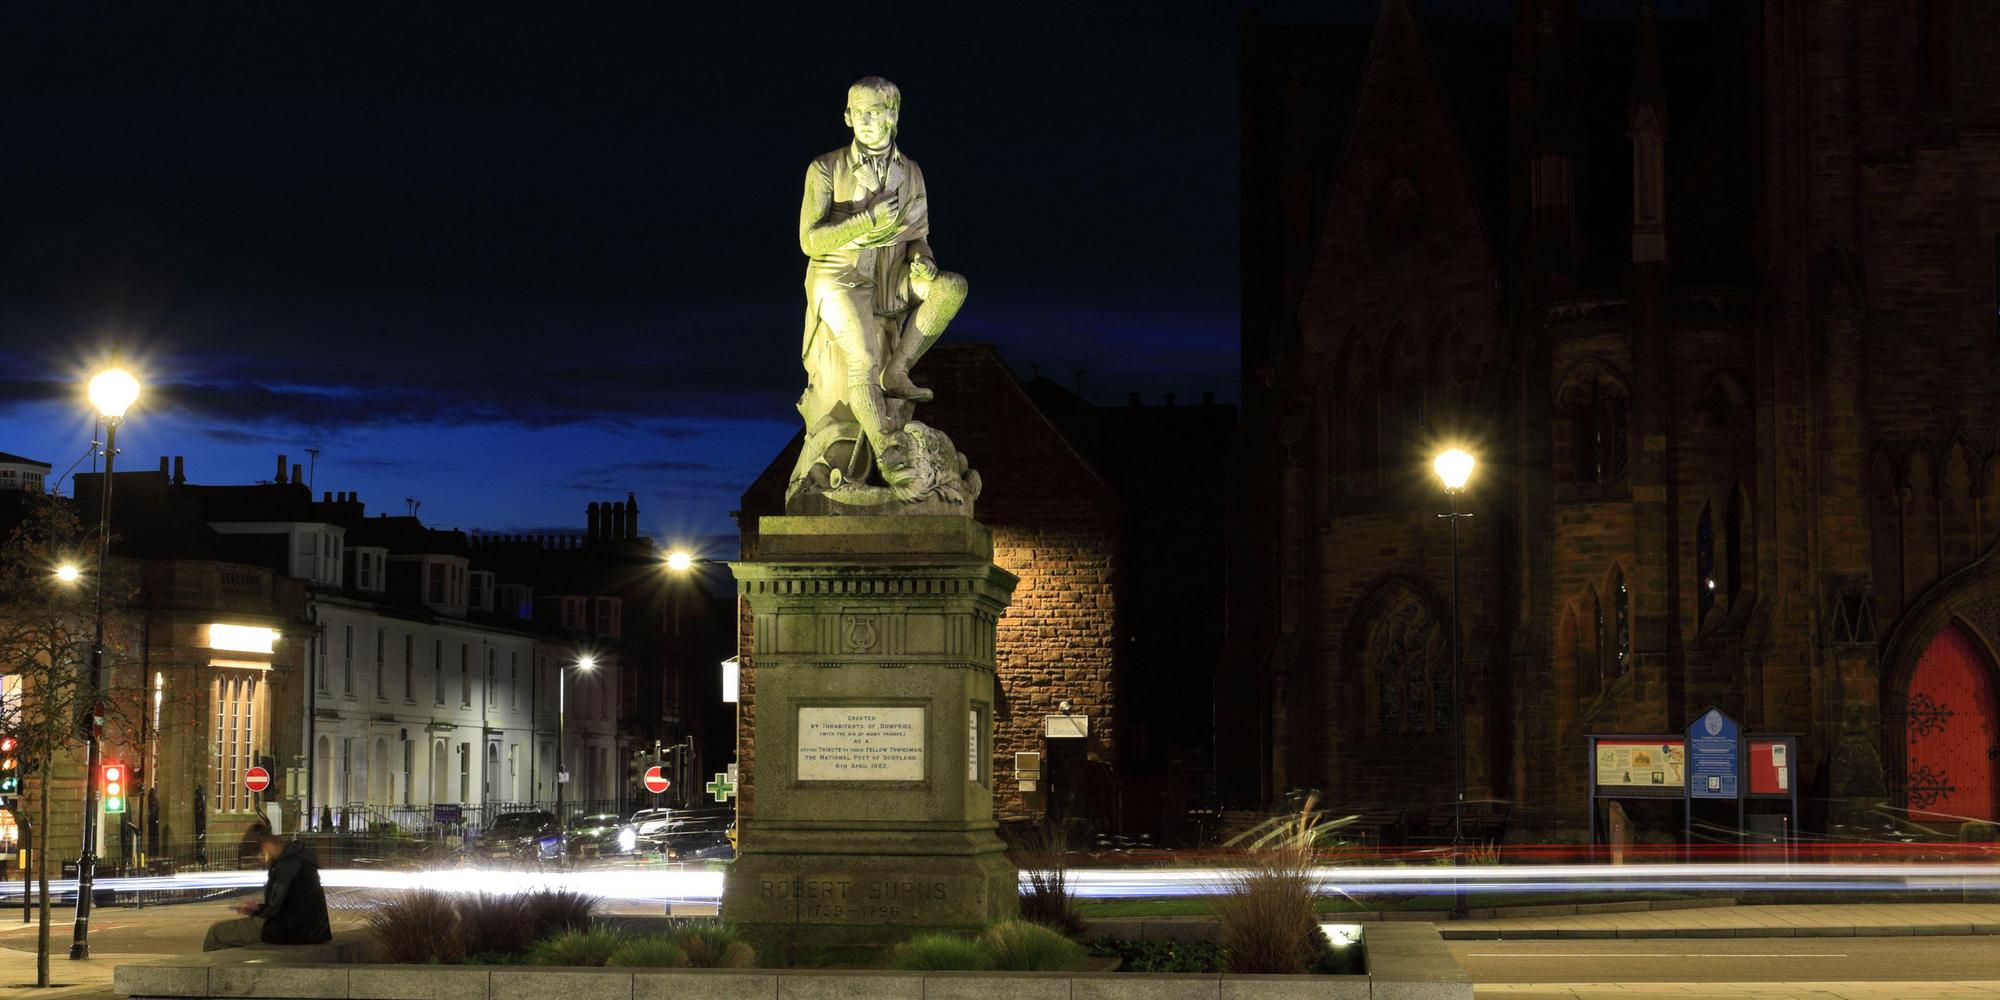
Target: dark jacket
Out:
[294,909]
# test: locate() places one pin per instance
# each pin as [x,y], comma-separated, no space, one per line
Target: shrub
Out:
[651,952]
[1265,911]
[710,945]
[591,947]
[552,911]
[493,923]
[1042,854]
[417,925]
[1025,946]
[938,953]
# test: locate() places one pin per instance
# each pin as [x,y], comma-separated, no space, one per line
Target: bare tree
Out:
[46,633]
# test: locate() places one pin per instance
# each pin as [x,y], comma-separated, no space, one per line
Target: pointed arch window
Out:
[1598,425]
[1409,667]
[1621,614]
[1704,563]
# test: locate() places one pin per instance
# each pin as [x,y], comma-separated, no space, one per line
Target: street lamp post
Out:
[585,664]
[1454,468]
[112,391]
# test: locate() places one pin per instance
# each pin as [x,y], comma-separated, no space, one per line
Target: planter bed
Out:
[1406,962]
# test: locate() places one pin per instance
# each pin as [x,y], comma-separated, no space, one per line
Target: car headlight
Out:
[628,839]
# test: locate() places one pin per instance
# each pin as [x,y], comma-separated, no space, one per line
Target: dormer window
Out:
[574,610]
[480,596]
[445,583]
[609,613]
[371,569]
[517,600]
[316,553]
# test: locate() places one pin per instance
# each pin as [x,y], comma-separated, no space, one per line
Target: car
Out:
[601,834]
[649,828]
[527,835]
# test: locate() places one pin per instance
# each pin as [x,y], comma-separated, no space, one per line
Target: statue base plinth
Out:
[872,791]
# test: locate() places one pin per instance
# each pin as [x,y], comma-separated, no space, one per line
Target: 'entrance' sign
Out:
[861,743]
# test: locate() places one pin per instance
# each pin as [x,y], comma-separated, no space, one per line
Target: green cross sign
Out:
[722,788]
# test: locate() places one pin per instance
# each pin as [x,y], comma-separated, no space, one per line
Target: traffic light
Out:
[114,788]
[10,766]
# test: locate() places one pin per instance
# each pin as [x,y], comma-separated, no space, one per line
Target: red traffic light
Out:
[114,772]
[8,743]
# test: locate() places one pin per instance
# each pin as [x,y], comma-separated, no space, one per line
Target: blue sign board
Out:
[1714,761]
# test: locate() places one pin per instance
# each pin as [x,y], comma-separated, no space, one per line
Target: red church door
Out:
[1952,729]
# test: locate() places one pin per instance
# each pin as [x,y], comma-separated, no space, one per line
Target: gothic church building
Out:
[1713,300]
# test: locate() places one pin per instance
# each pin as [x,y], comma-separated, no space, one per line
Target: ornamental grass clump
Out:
[650,952]
[1042,855]
[1024,946]
[417,925]
[552,911]
[710,945]
[593,947]
[495,924]
[938,953]
[1265,912]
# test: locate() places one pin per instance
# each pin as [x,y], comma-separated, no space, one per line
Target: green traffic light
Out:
[9,785]
[114,804]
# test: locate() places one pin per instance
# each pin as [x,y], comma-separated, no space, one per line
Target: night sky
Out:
[508,262]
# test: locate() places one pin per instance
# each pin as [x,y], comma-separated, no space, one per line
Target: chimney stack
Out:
[298,480]
[326,496]
[631,515]
[163,467]
[618,519]
[180,469]
[280,480]
[596,520]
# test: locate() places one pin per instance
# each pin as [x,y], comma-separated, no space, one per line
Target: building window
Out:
[236,696]
[409,769]
[347,770]
[492,677]
[1598,426]
[409,666]
[492,768]
[465,674]
[1621,615]
[465,772]
[434,583]
[1704,564]
[437,668]
[1367,471]
[381,665]
[481,596]
[609,612]
[573,611]
[318,664]
[514,679]
[1410,664]
[347,662]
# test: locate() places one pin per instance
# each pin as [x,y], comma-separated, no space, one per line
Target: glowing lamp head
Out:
[68,573]
[680,561]
[113,391]
[586,663]
[1454,467]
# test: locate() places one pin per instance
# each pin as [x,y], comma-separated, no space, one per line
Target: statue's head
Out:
[873,107]
[920,464]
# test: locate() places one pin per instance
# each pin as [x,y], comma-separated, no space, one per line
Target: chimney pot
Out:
[281,470]
[296,469]
[326,496]
[163,467]
[180,469]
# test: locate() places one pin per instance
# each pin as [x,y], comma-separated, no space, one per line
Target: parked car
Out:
[528,835]
[649,829]
[601,834]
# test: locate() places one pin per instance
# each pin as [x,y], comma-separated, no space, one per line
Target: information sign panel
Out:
[1628,765]
[861,743]
[1714,761]
[1771,766]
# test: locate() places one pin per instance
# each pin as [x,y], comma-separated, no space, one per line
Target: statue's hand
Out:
[923,268]
[885,214]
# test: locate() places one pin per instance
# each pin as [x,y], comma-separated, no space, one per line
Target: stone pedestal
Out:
[872,814]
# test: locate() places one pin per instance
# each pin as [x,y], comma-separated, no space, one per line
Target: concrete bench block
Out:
[1144,986]
[417,982]
[707,984]
[1236,987]
[561,984]
[305,982]
[838,985]
[995,985]
[160,980]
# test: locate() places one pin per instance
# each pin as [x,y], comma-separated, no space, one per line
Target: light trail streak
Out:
[702,886]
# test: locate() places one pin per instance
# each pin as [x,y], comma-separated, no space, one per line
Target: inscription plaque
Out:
[861,743]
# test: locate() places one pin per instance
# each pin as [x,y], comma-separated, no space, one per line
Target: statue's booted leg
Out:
[942,296]
[864,369]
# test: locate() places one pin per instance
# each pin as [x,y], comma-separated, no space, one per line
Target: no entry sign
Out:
[656,782]
[256,779]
